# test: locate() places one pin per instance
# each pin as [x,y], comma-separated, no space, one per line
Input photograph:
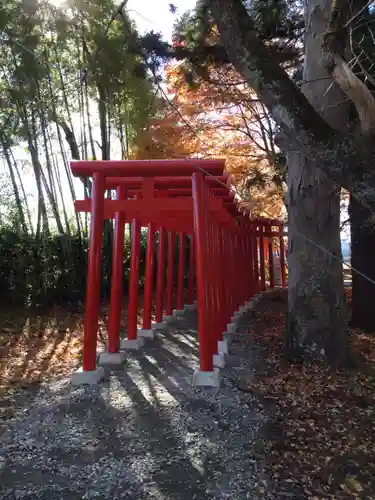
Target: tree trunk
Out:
[27,208]
[102,100]
[33,150]
[69,177]
[316,320]
[50,184]
[362,258]
[89,125]
[61,193]
[347,158]
[83,124]
[19,206]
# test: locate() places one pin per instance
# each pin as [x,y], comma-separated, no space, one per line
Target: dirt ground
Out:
[144,433]
[272,431]
[321,441]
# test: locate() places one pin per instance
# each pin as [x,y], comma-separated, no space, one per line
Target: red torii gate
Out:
[189,197]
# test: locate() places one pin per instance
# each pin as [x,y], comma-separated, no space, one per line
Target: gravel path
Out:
[144,433]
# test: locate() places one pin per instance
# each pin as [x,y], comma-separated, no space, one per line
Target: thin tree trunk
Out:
[33,149]
[109,125]
[49,187]
[122,140]
[69,129]
[39,221]
[83,123]
[126,137]
[59,186]
[46,143]
[70,139]
[89,125]
[23,192]
[8,160]
[22,112]
[103,122]
[41,203]
[64,93]
[69,177]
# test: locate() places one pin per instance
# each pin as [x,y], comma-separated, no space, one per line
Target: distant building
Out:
[346,250]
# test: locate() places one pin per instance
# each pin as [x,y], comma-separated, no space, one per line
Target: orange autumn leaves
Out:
[219,118]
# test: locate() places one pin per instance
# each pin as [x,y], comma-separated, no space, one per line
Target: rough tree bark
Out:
[347,159]
[362,226]
[316,325]
[362,234]
[317,321]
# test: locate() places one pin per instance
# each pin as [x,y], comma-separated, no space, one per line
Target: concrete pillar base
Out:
[227,337]
[169,319]
[219,360]
[145,334]
[190,307]
[222,347]
[206,379]
[131,344]
[178,313]
[93,377]
[159,326]
[231,328]
[111,358]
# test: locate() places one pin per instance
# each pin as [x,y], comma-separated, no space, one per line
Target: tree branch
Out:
[357,91]
[357,14]
[347,159]
[334,44]
[288,106]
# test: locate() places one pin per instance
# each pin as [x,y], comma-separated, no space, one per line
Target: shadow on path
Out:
[144,433]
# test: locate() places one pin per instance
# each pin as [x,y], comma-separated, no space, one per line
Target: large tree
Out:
[344,156]
[316,316]
[281,25]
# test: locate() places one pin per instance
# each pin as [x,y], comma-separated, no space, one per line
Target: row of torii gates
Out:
[231,255]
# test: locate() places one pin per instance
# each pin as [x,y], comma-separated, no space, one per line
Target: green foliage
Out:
[72,84]
[53,270]
[45,46]
[279,23]
[48,271]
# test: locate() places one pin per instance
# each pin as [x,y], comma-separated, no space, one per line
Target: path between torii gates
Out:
[144,433]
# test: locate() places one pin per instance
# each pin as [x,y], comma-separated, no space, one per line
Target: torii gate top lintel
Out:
[146,168]
[158,189]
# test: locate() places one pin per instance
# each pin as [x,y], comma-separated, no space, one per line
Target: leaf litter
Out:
[320,443]
[321,440]
[39,345]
